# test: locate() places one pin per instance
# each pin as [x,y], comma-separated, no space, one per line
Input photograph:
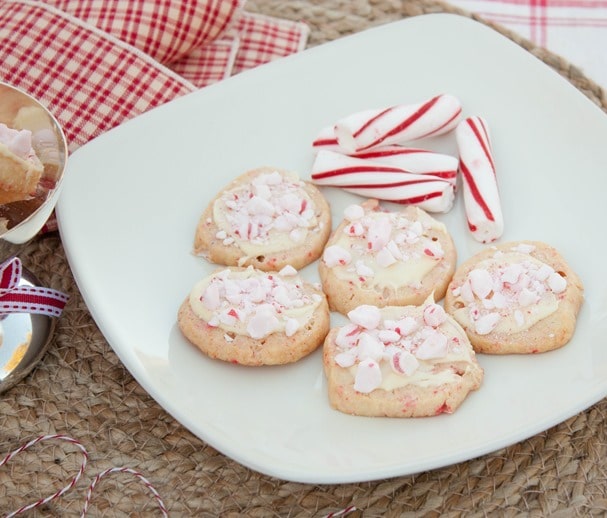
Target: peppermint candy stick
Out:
[413,160]
[398,124]
[326,139]
[382,181]
[481,195]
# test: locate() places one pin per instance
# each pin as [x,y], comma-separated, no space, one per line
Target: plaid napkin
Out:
[97,63]
[573,29]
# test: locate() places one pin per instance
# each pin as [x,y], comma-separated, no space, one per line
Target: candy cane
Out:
[414,160]
[398,124]
[326,139]
[382,182]
[481,196]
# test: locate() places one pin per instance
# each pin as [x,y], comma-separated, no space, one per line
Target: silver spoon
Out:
[24,339]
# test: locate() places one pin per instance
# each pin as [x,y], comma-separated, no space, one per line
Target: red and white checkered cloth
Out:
[97,63]
[573,29]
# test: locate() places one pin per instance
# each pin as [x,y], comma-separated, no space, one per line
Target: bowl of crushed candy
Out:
[33,156]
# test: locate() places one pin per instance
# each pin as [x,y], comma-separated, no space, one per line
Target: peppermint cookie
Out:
[400,361]
[20,168]
[518,297]
[251,317]
[384,258]
[267,218]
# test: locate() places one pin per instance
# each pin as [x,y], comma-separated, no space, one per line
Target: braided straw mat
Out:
[82,390]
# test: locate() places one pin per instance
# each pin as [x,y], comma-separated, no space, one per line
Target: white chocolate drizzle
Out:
[508,293]
[378,248]
[254,303]
[271,213]
[397,346]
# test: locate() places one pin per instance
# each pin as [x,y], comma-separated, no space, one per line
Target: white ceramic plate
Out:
[134,196]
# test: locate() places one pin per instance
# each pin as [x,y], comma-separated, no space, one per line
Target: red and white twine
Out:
[77,477]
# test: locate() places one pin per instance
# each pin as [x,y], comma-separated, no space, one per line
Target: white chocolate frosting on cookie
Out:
[271,213]
[395,347]
[384,249]
[508,293]
[253,303]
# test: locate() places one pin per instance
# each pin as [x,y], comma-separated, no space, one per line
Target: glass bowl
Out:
[21,220]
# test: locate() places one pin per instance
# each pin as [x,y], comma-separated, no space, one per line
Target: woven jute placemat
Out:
[82,390]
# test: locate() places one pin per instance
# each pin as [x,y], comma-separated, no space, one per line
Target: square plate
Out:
[133,197]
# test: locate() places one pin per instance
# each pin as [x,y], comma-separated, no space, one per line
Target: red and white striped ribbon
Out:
[26,299]
[76,478]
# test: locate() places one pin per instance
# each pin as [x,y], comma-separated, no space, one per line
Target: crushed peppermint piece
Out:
[345,359]
[384,258]
[481,282]
[557,282]
[406,326]
[291,326]
[382,239]
[254,303]
[435,345]
[335,255]
[365,316]
[263,322]
[363,269]
[404,362]
[368,376]
[271,202]
[418,339]
[369,346]
[524,248]
[287,271]
[500,288]
[487,323]
[354,212]
[434,315]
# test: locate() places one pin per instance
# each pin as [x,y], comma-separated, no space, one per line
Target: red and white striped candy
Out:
[413,160]
[397,124]
[326,139]
[383,182]
[481,196]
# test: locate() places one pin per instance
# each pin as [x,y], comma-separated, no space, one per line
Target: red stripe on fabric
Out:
[89,80]
[551,21]
[556,3]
